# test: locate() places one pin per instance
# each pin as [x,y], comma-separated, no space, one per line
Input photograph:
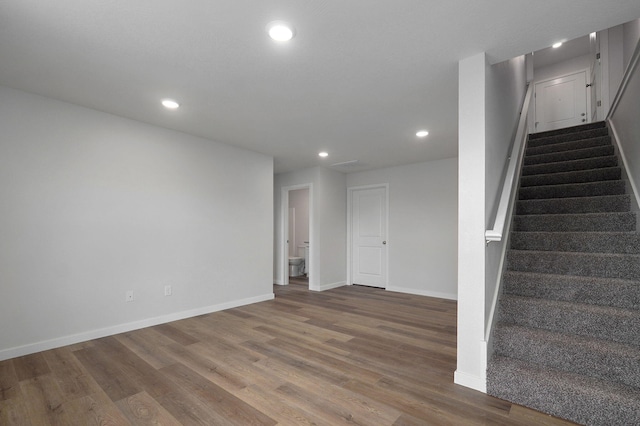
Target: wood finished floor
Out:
[352,355]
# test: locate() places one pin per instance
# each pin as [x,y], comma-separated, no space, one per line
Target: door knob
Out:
[384,242]
[583,114]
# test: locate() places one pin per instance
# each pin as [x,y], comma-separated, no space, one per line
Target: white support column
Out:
[472,358]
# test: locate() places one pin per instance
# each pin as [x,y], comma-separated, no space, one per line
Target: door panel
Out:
[368,229]
[561,102]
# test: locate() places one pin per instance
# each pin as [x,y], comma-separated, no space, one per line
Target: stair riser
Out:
[615,203]
[583,176]
[591,189]
[588,290]
[626,266]
[617,363]
[599,151]
[596,242]
[569,166]
[598,222]
[582,401]
[570,131]
[589,321]
[567,146]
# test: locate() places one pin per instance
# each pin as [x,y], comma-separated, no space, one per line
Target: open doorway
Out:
[296,239]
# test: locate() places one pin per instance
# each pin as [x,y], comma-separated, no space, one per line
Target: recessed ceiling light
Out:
[323,154]
[556,45]
[170,104]
[422,133]
[280,31]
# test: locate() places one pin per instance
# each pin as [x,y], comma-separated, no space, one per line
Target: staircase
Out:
[567,339]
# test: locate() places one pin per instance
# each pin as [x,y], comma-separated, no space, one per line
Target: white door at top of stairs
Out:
[561,102]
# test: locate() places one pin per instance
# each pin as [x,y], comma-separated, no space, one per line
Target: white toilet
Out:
[297,263]
[296,266]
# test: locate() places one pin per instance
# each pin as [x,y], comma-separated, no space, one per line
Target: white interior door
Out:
[561,102]
[369,237]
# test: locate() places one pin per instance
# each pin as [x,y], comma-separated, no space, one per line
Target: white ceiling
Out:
[358,80]
[569,49]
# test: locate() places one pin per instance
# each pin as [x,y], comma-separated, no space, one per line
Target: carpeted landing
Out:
[567,340]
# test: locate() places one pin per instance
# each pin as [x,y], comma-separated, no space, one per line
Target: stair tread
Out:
[574,176]
[614,292]
[576,277]
[569,130]
[572,190]
[572,396]
[624,221]
[575,205]
[606,265]
[572,253]
[571,241]
[594,233]
[593,344]
[600,358]
[555,157]
[567,145]
[570,165]
[606,322]
[589,214]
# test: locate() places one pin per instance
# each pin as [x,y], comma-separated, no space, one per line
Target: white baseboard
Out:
[437,294]
[123,328]
[278,282]
[329,286]
[470,381]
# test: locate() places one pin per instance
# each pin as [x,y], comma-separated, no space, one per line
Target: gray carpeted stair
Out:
[577,154]
[600,204]
[578,176]
[567,339]
[569,222]
[571,165]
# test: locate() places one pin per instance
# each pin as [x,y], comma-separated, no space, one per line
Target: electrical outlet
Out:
[129,296]
[167,290]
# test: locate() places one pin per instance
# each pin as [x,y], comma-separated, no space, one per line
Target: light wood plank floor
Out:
[353,355]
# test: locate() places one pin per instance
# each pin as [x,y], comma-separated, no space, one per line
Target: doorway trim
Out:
[284,235]
[350,191]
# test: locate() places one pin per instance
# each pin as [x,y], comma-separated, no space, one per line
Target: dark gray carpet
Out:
[567,339]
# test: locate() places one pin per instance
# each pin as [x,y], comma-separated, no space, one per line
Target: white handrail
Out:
[515,160]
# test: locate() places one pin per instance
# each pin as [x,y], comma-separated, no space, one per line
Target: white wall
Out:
[422,235]
[616,62]
[327,234]
[569,66]
[299,200]
[630,37]
[505,91]
[94,205]
[627,127]
[624,118]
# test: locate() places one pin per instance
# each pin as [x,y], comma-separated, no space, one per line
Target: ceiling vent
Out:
[346,165]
